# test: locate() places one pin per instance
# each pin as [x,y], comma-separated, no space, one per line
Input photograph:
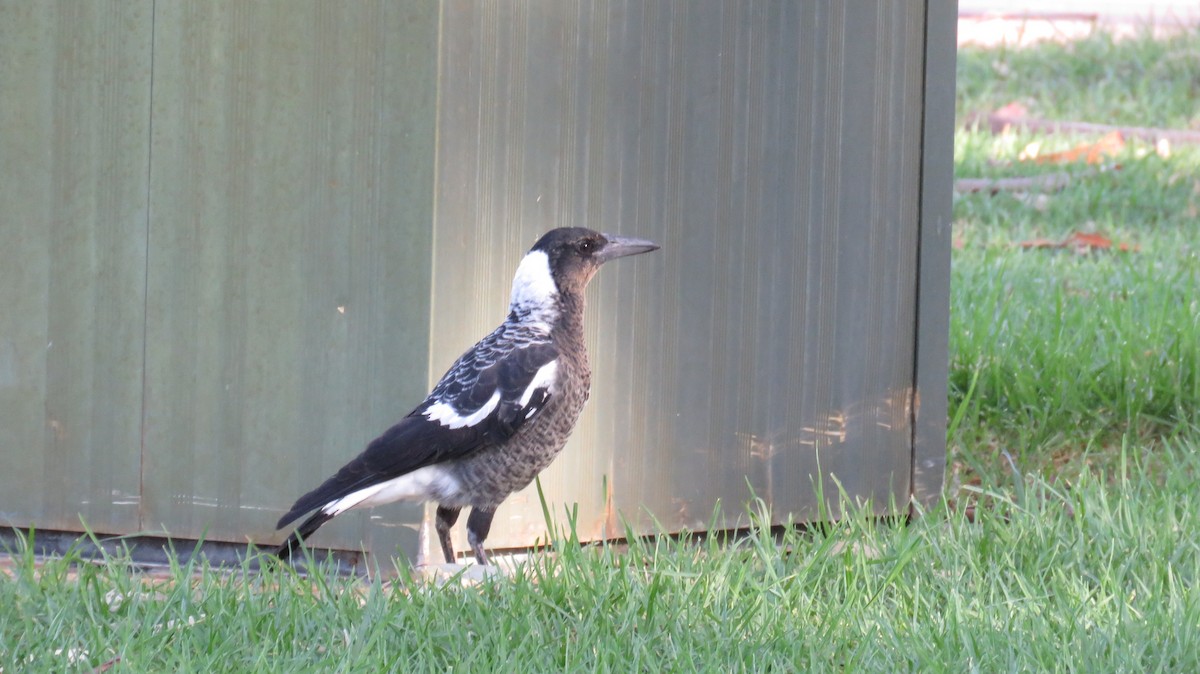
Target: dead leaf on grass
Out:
[1089,240]
[1082,243]
[1109,145]
[107,666]
[1040,243]
[1003,118]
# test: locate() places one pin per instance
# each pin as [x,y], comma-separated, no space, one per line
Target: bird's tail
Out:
[293,542]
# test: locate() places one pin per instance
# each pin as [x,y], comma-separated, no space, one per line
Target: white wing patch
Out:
[544,378]
[446,415]
[431,483]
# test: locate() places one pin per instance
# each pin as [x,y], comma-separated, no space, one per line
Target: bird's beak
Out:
[621,246]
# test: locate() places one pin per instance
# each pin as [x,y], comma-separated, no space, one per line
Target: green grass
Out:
[1137,82]
[1095,574]
[1069,541]
[1069,353]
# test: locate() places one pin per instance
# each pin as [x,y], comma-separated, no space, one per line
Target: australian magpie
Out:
[498,417]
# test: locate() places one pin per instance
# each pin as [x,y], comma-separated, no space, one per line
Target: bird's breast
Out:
[488,477]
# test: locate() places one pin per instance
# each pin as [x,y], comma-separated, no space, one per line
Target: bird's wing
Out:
[495,388]
[489,393]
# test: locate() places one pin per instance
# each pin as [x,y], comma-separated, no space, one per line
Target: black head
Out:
[575,253]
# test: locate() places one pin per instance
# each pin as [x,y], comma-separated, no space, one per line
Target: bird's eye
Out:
[587,246]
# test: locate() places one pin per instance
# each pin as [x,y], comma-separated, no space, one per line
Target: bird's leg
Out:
[479,523]
[446,517]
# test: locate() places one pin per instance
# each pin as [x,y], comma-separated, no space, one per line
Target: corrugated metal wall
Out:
[74,138]
[230,257]
[216,242]
[774,150]
[288,279]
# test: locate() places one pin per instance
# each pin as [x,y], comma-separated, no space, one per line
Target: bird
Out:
[500,414]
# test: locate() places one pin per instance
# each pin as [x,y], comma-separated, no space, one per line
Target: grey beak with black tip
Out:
[622,246]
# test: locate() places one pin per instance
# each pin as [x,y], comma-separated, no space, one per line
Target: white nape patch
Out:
[533,285]
[424,484]
[446,415]
[544,378]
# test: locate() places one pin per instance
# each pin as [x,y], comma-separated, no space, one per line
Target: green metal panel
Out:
[289,270]
[226,208]
[74,137]
[774,150]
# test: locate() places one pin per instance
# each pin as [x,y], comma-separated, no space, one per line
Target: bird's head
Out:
[564,260]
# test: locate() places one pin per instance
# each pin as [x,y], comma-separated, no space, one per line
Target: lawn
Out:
[1070,353]
[1068,541]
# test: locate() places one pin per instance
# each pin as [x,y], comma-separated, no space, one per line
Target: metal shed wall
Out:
[74,138]
[241,239]
[774,149]
[216,258]
[288,281]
